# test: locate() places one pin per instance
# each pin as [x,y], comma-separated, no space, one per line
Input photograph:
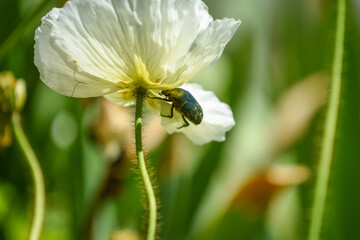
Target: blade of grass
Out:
[321,186]
[13,37]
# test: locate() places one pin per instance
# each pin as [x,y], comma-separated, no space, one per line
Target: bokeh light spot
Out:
[64,129]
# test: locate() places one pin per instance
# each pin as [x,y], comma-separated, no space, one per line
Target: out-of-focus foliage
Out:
[258,184]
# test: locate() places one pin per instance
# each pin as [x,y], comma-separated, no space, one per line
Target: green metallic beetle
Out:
[184,103]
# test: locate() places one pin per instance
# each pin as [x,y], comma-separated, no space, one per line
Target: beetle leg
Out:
[186,123]
[171,112]
[164,99]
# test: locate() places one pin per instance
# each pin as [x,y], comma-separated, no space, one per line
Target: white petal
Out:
[91,48]
[88,46]
[206,49]
[66,62]
[161,31]
[218,117]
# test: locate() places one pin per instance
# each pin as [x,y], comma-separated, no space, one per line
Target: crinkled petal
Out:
[90,47]
[206,49]
[69,60]
[218,117]
[159,32]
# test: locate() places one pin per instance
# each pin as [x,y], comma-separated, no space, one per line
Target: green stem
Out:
[37,176]
[326,156]
[140,93]
[16,33]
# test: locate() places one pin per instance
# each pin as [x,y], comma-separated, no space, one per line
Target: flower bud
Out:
[20,94]
[12,98]
[12,93]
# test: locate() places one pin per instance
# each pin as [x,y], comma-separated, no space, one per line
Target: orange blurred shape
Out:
[295,110]
[5,136]
[114,131]
[254,197]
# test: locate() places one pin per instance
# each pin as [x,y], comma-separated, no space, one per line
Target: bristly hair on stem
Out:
[148,187]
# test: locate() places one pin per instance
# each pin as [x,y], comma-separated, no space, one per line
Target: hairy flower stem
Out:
[37,176]
[321,187]
[140,94]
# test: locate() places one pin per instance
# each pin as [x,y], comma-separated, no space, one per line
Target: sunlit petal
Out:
[206,49]
[57,73]
[160,32]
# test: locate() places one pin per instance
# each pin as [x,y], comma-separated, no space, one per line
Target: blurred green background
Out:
[258,184]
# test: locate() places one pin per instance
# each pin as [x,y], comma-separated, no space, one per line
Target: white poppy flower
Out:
[108,48]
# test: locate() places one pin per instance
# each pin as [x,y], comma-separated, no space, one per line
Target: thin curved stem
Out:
[321,187]
[37,176]
[151,232]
